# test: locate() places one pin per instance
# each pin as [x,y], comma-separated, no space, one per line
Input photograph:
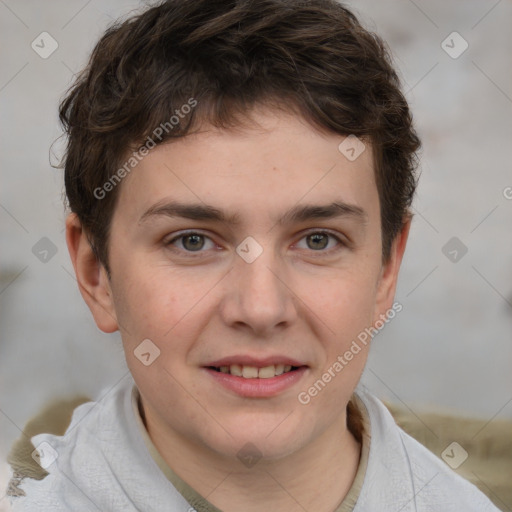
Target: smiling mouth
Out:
[253,372]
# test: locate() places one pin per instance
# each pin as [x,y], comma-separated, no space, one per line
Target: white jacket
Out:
[103,465]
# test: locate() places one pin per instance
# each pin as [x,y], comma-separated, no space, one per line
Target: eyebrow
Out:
[299,213]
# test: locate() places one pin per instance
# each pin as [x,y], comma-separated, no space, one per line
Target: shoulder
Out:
[100,463]
[67,437]
[401,471]
[23,457]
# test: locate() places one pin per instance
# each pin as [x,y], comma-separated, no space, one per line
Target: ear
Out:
[386,287]
[91,276]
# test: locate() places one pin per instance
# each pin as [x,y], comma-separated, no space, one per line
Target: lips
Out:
[256,377]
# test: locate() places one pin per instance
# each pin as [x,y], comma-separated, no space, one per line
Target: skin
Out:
[298,299]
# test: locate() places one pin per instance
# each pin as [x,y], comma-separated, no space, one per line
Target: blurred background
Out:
[449,349]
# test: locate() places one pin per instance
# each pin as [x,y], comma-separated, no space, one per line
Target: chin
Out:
[270,438]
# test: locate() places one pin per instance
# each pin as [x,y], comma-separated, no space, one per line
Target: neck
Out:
[317,477]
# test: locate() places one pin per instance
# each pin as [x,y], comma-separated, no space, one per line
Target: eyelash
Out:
[195,254]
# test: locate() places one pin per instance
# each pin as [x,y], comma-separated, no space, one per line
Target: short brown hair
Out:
[310,57]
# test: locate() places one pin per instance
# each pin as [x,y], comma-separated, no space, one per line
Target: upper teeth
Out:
[252,372]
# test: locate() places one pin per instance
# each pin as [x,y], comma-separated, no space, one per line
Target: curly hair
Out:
[309,57]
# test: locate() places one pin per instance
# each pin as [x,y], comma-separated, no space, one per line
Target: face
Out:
[252,260]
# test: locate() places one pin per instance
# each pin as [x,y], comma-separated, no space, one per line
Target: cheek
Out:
[155,298]
[168,307]
[345,305]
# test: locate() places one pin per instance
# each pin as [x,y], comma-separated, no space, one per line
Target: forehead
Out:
[278,162]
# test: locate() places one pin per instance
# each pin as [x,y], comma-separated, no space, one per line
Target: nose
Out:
[258,297]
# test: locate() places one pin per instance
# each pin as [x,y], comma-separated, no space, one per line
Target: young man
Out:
[239,176]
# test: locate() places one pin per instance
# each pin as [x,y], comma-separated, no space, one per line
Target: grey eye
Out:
[193,242]
[318,241]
